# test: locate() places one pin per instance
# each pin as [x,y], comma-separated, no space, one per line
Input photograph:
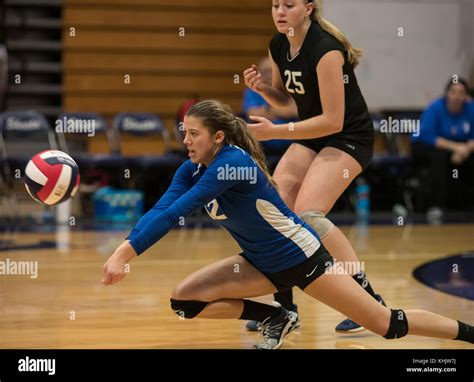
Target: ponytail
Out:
[354,54]
[245,140]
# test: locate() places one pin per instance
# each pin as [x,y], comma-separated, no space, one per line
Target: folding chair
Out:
[145,141]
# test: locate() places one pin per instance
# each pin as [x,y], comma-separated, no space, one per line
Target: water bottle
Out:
[362,201]
[399,214]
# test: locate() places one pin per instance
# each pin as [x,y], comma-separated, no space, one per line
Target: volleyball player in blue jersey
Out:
[227,174]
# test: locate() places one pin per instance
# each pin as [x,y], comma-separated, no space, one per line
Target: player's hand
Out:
[462,151]
[253,79]
[114,269]
[456,158]
[263,129]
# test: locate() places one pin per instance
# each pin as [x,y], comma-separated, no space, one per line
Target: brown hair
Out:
[354,54]
[216,116]
[460,81]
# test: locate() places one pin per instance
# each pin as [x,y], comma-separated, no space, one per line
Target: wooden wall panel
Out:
[149,84]
[165,106]
[182,4]
[78,61]
[114,38]
[198,43]
[164,18]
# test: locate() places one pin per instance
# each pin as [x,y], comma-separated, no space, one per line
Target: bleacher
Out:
[32,35]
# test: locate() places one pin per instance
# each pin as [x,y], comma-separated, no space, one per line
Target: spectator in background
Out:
[255,104]
[446,142]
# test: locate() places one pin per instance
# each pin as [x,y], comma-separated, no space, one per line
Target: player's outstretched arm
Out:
[114,269]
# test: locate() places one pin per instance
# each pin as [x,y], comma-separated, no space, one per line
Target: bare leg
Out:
[291,170]
[329,175]
[289,175]
[224,284]
[427,324]
[339,246]
[342,293]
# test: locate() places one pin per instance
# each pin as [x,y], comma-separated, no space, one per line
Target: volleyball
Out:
[52,177]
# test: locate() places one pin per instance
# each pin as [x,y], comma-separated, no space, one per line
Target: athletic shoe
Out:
[255,326]
[349,327]
[274,329]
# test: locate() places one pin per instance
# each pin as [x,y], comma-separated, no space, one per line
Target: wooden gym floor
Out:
[67,307]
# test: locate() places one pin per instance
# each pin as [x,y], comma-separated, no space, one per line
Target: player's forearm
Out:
[471,145]
[275,97]
[311,128]
[145,219]
[446,144]
[125,251]
[156,228]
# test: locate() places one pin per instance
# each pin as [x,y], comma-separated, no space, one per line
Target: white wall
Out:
[408,71]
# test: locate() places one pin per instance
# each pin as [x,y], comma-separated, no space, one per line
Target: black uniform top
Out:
[300,78]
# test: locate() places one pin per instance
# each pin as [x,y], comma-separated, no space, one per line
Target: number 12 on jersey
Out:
[292,84]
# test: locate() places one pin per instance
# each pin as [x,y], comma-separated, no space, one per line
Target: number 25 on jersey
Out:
[292,83]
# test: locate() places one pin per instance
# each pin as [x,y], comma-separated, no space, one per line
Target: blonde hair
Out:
[354,54]
[216,116]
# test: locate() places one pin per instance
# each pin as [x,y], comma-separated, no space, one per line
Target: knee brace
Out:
[318,222]
[398,327]
[187,309]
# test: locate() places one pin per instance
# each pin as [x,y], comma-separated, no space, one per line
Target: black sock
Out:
[466,332]
[257,311]
[363,281]
[285,298]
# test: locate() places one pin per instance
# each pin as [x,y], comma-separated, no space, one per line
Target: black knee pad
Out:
[398,325]
[187,309]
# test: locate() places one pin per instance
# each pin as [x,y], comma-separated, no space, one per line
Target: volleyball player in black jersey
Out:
[313,63]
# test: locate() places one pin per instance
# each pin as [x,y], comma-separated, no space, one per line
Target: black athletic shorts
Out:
[358,144]
[302,274]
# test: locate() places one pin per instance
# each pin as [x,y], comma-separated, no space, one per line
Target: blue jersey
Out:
[437,121]
[238,195]
[253,99]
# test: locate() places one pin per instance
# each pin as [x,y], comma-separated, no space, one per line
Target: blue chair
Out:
[76,132]
[22,135]
[145,142]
